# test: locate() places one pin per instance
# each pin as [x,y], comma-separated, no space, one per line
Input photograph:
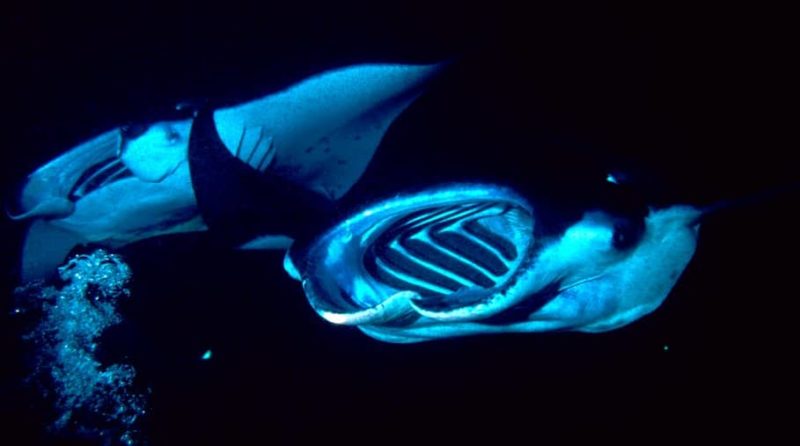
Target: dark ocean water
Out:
[687,101]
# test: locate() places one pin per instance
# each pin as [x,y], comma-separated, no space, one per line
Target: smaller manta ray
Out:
[469,259]
[251,171]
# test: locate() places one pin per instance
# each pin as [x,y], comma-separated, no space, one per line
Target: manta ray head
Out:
[121,186]
[466,259]
[119,173]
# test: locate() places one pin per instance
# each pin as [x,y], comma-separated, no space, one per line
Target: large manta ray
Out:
[454,260]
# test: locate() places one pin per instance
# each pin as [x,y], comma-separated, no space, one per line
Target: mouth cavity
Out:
[433,252]
[442,251]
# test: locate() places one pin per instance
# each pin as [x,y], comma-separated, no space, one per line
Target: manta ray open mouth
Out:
[409,256]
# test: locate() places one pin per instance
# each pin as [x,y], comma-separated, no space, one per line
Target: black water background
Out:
[545,100]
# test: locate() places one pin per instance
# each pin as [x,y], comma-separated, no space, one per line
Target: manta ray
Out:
[251,165]
[451,260]
[468,259]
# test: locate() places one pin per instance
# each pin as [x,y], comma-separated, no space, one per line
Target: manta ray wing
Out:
[325,129]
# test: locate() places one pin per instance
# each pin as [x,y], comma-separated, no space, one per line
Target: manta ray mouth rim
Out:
[343,288]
